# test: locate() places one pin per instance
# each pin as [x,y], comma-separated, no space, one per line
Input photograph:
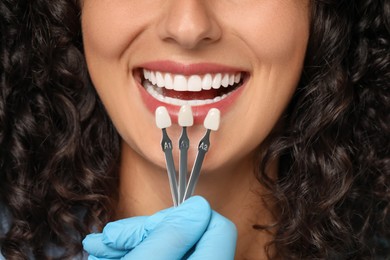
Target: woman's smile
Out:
[202,86]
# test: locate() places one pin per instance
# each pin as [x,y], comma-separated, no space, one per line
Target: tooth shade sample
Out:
[212,119]
[163,120]
[185,116]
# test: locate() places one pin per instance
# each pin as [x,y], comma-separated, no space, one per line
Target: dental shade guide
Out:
[185,120]
[163,121]
[211,122]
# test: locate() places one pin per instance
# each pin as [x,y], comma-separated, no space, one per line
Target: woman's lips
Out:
[203,86]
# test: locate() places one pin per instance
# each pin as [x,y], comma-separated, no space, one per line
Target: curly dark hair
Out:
[333,187]
[59,151]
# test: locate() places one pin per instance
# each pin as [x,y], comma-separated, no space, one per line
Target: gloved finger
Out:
[218,241]
[91,257]
[94,246]
[177,233]
[125,234]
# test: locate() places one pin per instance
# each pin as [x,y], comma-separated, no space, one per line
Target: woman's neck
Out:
[233,192]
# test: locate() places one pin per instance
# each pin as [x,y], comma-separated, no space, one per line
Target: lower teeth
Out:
[178,102]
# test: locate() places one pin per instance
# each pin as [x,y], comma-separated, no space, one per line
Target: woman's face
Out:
[243,57]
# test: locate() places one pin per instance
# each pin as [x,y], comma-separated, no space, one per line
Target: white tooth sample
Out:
[212,119]
[225,80]
[237,78]
[207,82]
[160,80]
[146,74]
[231,80]
[163,120]
[153,78]
[185,116]
[217,81]
[194,83]
[180,83]
[168,81]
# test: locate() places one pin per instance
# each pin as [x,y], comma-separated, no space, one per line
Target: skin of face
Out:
[266,39]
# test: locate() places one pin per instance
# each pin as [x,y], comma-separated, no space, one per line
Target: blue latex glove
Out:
[169,234]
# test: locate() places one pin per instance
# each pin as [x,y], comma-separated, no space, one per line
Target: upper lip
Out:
[189,69]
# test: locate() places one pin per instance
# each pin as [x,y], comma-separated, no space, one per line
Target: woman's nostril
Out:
[189,24]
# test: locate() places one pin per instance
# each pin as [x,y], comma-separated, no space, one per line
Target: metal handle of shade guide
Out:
[166,145]
[184,144]
[203,147]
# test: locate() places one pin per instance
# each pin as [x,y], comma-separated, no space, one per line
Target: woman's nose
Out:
[189,23]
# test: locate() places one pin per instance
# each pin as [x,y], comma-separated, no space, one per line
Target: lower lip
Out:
[199,112]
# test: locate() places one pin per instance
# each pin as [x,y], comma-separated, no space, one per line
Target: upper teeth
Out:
[191,83]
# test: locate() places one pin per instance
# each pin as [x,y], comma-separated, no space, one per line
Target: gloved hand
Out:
[190,231]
